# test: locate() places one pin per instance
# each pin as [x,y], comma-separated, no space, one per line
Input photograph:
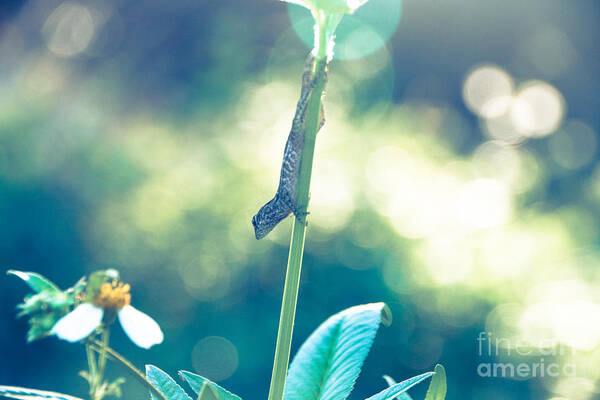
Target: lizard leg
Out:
[290,203]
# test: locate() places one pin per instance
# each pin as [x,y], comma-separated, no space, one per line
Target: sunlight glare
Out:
[494,159]
[508,253]
[573,322]
[388,168]
[447,259]
[538,109]
[333,202]
[575,387]
[483,203]
[503,128]
[487,91]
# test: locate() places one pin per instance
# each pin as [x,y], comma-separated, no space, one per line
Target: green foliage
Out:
[105,388]
[330,360]
[436,390]
[330,6]
[47,305]
[15,392]
[400,388]
[437,387]
[35,281]
[391,382]
[325,368]
[165,384]
[327,15]
[327,364]
[206,389]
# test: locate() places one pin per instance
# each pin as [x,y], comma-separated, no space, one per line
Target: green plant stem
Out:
[129,367]
[92,372]
[294,266]
[102,355]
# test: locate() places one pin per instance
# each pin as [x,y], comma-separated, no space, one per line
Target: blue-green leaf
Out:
[437,387]
[391,382]
[165,384]
[401,387]
[330,360]
[15,392]
[330,6]
[206,389]
[35,281]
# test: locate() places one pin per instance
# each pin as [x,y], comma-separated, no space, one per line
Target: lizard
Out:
[284,202]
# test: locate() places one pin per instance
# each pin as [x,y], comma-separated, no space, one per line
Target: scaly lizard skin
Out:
[284,202]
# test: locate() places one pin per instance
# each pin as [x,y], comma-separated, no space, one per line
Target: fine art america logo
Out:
[533,361]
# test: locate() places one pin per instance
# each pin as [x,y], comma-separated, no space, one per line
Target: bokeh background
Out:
[456,179]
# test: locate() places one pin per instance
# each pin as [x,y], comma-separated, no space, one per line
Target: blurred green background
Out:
[456,179]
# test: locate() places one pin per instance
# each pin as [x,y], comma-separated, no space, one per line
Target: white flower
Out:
[86,317]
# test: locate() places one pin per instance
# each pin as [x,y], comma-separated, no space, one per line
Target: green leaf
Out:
[114,388]
[328,363]
[206,389]
[44,307]
[401,387]
[330,6]
[437,387]
[15,392]
[36,282]
[391,382]
[165,384]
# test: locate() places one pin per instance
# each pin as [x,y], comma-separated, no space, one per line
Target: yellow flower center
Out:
[113,296]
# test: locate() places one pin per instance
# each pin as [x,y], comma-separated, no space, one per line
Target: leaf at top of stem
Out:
[330,6]
[328,363]
[327,15]
[437,387]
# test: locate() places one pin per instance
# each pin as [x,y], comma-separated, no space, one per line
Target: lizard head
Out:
[261,228]
[266,219]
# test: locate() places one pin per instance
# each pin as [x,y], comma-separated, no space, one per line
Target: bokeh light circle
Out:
[215,358]
[574,146]
[359,34]
[497,160]
[69,29]
[503,129]
[487,91]
[538,109]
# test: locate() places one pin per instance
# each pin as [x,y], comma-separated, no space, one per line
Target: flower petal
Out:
[79,323]
[141,329]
